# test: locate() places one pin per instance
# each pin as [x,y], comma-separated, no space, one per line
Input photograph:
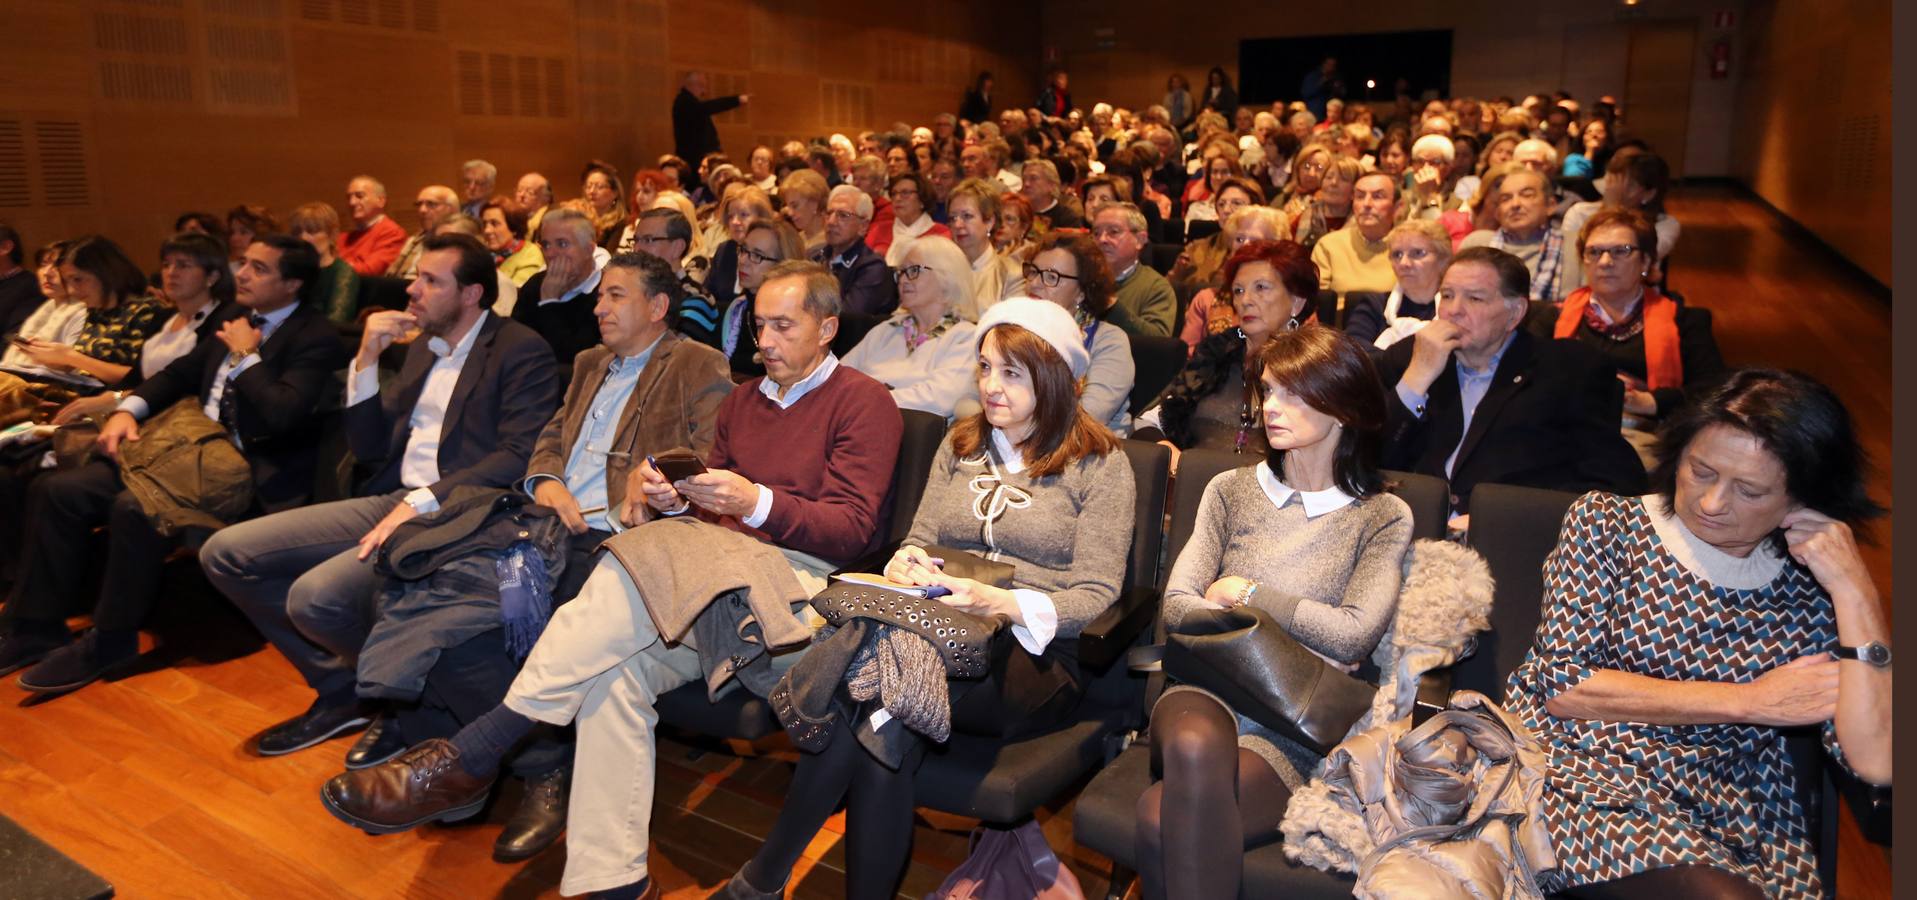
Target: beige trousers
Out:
[600,663]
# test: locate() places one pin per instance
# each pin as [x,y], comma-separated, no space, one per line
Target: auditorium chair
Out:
[1155,362]
[743,716]
[1331,313]
[1106,808]
[1005,783]
[381,292]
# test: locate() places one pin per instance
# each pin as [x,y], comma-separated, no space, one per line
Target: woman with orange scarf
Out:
[1664,352]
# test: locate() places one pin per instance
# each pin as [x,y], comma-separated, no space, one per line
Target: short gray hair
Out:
[862,203]
[821,286]
[582,227]
[1134,217]
[378,186]
[1438,142]
[479,165]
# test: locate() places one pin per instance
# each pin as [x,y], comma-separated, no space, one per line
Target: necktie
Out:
[229,401]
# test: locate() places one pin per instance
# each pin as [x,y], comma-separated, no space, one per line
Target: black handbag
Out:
[1263,673]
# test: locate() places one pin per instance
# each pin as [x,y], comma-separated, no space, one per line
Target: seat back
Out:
[1514,529]
[1164,256]
[1430,501]
[1151,473]
[1196,469]
[1156,361]
[381,292]
[920,441]
[1115,687]
[1326,304]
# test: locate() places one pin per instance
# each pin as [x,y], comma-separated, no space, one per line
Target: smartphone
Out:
[677,467]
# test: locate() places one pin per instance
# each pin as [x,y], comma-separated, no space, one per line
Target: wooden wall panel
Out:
[1826,164]
[147,108]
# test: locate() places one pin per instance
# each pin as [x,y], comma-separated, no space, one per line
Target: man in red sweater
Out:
[375,240]
[802,461]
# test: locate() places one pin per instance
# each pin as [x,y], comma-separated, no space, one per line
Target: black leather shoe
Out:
[318,723]
[381,742]
[75,666]
[539,820]
[18,651]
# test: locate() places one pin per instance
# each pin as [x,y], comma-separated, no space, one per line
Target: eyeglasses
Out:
[909,273]
[1411,253]
[1047,277]
[756,256]
[1595,253]
[1313,168]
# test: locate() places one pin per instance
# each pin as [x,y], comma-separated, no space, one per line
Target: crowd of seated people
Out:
[712,367]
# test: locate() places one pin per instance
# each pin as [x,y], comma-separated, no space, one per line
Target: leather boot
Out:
[424,784]
[540,818]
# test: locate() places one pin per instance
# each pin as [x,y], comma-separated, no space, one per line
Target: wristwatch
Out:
[1874,653]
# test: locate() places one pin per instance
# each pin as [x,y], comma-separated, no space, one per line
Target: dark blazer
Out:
[568,328]
[277,400]
[722,273]
[505,392]
[1549,420]
[693,134]
[19,297]
[866,286]
[976,107]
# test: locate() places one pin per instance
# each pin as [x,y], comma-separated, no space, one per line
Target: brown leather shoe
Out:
[424,784]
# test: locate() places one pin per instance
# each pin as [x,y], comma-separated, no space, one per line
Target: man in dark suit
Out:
[558,302]
[1480,400]
[693,135]
[464,409]
[264,378]
[865,282]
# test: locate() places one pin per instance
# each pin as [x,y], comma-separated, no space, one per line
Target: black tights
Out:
[1703,882]
[1214,800]
[878,818]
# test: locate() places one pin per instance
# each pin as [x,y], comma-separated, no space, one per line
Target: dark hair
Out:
[1094,273]
[49,253]
[1286,143]
[120,277]
[1250,187]
[207,221]
[655,277]
[1514,280]
[1334,374]
[9,235]
[515,215]
[1646,170]
[612,176]
[300,262]
[1799,421]
[207,252]
[677,228]
[1289,259]
[1224,81]
[979,82]
[475,264]
[1379,173]
[257,219]
[1062,432]
[918,184]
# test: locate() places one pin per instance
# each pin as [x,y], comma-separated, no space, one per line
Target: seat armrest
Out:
[1434,694]
[1105,640]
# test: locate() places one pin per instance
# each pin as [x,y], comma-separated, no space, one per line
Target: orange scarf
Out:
[1663,364]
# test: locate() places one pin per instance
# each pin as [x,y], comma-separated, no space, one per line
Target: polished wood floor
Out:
[144,779]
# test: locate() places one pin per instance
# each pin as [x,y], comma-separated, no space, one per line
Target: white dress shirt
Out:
[419,466]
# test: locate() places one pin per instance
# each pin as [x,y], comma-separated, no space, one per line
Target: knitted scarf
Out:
[1655,318]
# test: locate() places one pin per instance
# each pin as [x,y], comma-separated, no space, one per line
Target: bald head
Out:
[434,203]
[533,192]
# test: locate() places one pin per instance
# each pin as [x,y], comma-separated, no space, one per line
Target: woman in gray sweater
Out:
[1032,480]
[1310,537]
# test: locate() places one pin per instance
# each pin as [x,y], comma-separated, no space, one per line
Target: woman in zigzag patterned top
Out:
[1684,630]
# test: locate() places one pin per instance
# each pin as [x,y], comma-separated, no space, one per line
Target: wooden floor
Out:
[144,780]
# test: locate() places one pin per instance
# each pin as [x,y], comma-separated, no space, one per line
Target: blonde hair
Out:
[1428,229]
[803,183]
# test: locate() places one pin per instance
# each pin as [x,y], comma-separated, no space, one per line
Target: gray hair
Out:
[1438,142]
[582,227]
[1550,152]
[821,286]
[1044,165]
[1134,218]
[862,201]
[954,272]
[479,165]
[1248,214]
[378,186]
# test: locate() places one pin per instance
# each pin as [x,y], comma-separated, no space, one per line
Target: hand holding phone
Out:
[677,467]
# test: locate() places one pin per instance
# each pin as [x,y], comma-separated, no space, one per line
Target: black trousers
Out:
[62,509]
[472,678]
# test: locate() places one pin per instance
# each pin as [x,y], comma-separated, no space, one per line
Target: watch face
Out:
[1876,654]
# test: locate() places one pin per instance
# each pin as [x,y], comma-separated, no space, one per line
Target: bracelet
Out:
[1244,596]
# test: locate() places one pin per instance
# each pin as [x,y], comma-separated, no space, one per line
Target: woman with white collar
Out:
[1419,250]
[923,352]
[908,191]
[1310,537]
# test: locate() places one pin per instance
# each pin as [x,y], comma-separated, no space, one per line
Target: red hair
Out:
[1289,259]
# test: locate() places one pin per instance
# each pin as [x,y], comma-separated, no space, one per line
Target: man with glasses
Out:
[865,284]
[477,178]
[664,234]
[434,203]
[1353,257]
[1145,303]
[1528,230]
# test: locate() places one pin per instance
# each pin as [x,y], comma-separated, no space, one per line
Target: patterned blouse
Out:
[1625,589]
[116,335]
